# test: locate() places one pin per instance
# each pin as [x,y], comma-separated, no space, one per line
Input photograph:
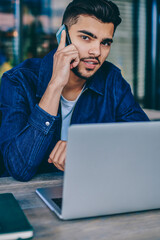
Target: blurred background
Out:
[28,28]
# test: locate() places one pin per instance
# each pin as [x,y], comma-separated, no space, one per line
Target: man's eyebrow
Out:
[88,33]
[110,40]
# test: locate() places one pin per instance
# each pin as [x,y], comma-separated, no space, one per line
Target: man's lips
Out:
[90,63]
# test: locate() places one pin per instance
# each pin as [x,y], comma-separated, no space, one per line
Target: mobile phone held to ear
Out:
[58,35]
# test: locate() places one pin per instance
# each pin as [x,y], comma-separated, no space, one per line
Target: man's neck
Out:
[73,87]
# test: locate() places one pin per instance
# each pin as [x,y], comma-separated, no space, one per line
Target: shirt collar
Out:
[96,83]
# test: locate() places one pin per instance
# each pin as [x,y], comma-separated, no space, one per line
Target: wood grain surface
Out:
[133,226]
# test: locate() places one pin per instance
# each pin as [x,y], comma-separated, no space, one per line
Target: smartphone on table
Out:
[58,34]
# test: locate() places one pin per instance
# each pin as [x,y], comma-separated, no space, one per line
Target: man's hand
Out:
[58,155]
[65,59]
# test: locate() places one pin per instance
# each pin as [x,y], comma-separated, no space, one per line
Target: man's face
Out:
[92,39]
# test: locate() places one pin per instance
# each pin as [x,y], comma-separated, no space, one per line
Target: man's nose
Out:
[95,49]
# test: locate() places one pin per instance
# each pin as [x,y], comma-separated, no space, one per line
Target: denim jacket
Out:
[28,133]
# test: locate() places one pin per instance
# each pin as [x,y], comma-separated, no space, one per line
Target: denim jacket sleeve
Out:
[26,131]
[127,109]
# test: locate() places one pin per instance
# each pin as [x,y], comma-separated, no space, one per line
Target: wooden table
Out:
[140,226]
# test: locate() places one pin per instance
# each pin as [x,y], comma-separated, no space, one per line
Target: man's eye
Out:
[85,37]
[106,43]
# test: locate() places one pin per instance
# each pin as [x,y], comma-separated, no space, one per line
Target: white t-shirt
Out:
[67,108]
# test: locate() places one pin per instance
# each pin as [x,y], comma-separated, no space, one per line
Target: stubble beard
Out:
[78,73]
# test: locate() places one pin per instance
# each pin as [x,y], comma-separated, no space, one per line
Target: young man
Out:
[41,98]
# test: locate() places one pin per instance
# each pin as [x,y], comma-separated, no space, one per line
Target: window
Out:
[128,49]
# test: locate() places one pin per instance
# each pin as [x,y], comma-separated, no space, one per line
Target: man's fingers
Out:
[62,41]
[52,154]
[62,158]
[75,62]
[58,166]
[49,160]
[58,155]
[72,55]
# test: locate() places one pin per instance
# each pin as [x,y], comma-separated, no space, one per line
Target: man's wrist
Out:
[57,84]
[50,99]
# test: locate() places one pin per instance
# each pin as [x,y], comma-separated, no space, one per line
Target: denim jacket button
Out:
[47,123]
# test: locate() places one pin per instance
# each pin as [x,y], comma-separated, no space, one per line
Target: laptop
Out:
[110,169]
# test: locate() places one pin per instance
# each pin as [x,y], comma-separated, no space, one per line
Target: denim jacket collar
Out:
[96,83]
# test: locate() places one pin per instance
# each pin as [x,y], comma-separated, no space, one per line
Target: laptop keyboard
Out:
[58,202]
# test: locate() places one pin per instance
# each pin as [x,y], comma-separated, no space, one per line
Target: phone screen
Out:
[58,35]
